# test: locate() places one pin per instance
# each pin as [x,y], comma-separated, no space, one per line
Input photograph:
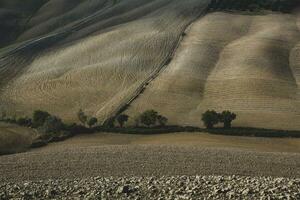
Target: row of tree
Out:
[41,120]
[211,118]
[148,118]
[48,123]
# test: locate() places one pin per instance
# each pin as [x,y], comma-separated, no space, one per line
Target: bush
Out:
[151,118]
[122,119]
[52,124]
[39,118]
[75,129]
[92,121]
[227,117]
[24,121]
[162,120]
[210,118]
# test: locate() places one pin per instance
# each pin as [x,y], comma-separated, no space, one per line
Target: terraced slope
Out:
[99,56]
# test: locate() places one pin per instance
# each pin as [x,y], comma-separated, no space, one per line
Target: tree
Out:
[92,121]
[227,117]
[149,117]
[82,117]
[39,118]
[52,124]
[122,119]
[162,120]
[210,118]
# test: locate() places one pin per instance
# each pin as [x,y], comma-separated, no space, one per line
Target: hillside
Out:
[177,57]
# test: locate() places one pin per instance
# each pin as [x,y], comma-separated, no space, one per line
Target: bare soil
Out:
[122,155]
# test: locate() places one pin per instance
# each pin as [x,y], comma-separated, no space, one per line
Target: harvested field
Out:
[135,155]
[291,145]
[167,55]
[248,64]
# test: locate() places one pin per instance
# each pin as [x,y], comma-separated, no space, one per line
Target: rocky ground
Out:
[77,170]
[176,187]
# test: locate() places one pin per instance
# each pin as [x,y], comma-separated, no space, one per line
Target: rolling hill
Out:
[177,57]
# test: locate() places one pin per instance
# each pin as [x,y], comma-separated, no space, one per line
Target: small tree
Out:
[149,117]
[162,120]
[227,117]
[210,118]
[82,117]
[39,118]
[52,124]
[122,119]
[92,121]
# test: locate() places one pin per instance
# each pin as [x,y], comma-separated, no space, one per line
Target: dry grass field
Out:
[14,139]
[97,55]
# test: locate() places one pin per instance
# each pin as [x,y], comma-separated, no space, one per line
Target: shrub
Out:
[162,120]
[227,117]
[24,121]
[210,118]
[52,124]
[39,118]
[92,121]
[149,117]
[75,129]
[122,119]
[82,117]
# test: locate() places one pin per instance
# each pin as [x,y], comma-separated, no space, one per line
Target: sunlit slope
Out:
[102,62]
[247,64]
[100,56]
